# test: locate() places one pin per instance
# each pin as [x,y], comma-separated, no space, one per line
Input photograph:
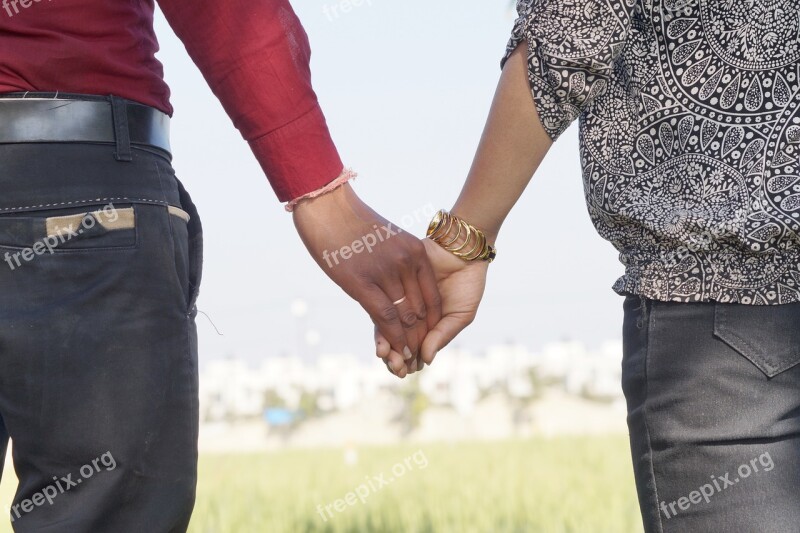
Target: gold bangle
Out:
[436,224]
[479,242]
[467,237]
[445,221]
[480,247]
[441,226]
[466,255]
[454,239]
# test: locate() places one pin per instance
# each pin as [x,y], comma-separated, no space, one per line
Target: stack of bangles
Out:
[467,242]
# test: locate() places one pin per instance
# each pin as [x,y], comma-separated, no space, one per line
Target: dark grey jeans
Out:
[99,272]
[713,393]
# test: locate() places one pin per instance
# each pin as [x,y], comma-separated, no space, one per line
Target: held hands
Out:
[461,285]
[418,295]
[397,283]
[380,266]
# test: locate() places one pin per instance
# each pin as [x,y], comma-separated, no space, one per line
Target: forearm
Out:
[511,148]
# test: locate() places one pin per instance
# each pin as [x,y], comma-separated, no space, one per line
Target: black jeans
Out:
[713,393]
[98,347]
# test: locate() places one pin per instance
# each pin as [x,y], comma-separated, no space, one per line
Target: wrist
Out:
[328,204]
[334,217]
[478,219]
[346,175]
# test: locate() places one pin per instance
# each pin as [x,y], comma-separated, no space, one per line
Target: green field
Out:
[553,485]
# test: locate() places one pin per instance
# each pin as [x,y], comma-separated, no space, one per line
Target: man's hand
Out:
[461,284]
[379,265]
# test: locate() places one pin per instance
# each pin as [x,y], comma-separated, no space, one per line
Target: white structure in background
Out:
[597,375]
[229,388]
[516,363]
[454,379]
[458,377]
[558,359]
[345,382]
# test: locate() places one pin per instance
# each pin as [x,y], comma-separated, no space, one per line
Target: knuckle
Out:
[403,256]
[389,314]
[408,319]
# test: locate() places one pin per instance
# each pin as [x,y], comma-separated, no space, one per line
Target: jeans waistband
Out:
[40,176]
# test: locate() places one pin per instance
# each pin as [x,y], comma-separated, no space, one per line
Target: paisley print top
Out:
[690,136]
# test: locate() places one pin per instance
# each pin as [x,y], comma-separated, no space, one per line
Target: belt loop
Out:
[122,134]
[642,311]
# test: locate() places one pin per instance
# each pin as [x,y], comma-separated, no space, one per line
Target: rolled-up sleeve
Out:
[255,57]
[572,46]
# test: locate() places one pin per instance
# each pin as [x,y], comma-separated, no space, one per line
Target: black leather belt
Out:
[106,120]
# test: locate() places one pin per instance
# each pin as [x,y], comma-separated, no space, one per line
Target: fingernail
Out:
[434,357]
[407,353]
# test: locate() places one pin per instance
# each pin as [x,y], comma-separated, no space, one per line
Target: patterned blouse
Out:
[690,135]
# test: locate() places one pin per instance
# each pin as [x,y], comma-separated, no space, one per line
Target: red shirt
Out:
[253,53]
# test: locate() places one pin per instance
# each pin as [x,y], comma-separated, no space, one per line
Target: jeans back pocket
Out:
[26,236]
[767,335]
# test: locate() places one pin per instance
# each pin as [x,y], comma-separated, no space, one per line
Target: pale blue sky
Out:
[406,87]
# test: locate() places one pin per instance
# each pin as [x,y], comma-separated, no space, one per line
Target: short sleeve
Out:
[572,47]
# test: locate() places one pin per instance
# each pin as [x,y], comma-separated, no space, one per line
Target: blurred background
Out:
[520,423]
